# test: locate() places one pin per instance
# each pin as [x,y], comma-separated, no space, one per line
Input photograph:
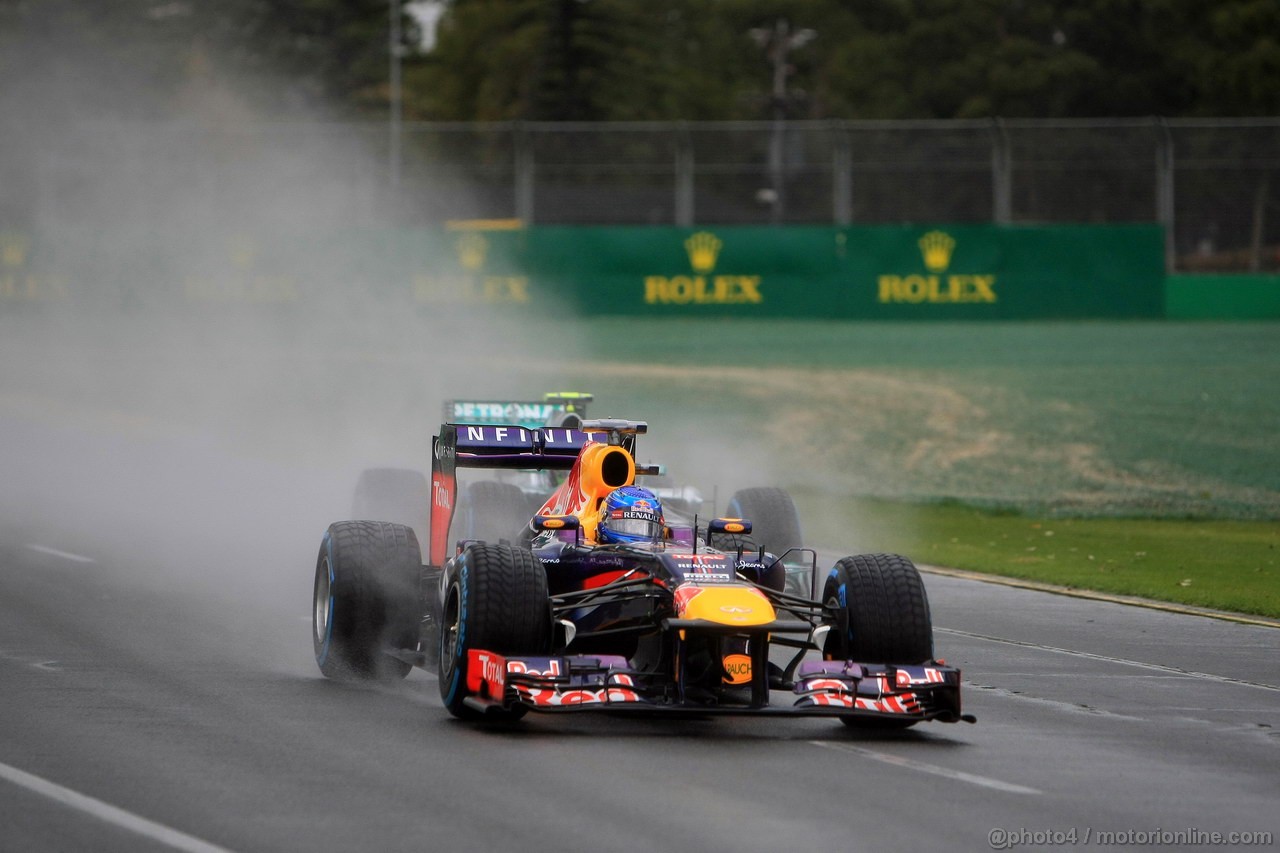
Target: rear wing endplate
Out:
[508,446]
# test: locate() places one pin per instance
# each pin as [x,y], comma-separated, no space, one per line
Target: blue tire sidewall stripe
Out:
[455,682]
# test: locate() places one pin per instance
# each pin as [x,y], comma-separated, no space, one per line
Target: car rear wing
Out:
[511,447]
[557,408]
[507,446]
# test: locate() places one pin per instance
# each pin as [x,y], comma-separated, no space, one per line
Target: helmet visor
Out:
[635,527]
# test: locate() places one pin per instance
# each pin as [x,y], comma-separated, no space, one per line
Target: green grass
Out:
[1074,419]
[1138,458]
[1151,446]
[1226,565]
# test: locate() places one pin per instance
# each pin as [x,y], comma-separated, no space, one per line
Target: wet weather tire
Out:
[495,599]
[775,524]
[365,600]
[883,617]
[883,612]
[398,495]
[774,576]
[496,511]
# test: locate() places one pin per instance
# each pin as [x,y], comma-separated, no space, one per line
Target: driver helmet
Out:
[630,514]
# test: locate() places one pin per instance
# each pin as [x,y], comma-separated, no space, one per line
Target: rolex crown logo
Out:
[472,249]
[703,248]
[936,247]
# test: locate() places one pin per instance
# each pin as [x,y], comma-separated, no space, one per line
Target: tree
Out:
[690,59]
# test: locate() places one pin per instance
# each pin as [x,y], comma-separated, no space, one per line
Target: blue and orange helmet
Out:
[630,514]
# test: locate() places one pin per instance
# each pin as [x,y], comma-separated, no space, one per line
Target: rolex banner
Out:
[943,272]
[891,272]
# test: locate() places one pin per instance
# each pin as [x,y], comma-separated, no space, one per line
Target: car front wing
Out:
[608,683]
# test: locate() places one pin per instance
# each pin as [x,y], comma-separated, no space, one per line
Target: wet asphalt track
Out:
[157,692]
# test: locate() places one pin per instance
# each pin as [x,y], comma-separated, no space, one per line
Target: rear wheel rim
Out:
[323,604]
[449,636]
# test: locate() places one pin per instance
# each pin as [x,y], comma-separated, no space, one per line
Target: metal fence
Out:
[1214,183]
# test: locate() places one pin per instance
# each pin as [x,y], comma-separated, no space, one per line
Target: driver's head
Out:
[630,514]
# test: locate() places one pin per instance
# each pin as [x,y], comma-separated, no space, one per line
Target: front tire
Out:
[883,611]
[495,599]
[882,616]
[365,600]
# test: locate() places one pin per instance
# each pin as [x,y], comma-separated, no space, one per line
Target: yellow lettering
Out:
[681,290]
[518,289]
[934,294]
[502,288]
[655,289]
[889,285]
[719,290]
[984,288]
[32,288]
[917,289]
[722,285]
[749,287]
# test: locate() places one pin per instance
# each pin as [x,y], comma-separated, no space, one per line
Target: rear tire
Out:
[496,511]
[775,524]
[398,495]
[365,600]
[774,576]
[495,599]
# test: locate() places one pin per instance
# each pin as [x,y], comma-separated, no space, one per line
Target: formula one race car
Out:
[601,604]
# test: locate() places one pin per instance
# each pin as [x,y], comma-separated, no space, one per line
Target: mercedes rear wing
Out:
[556,408]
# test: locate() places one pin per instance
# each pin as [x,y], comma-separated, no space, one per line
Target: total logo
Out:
[703,287]
[937,285]
[441,493]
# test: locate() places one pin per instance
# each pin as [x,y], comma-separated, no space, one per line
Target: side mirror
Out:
[728,525]
[557,523]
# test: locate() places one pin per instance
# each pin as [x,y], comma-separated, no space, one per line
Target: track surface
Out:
[157,692]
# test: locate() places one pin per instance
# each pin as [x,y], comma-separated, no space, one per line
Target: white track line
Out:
[1154,667]
[109,813]
[932,769]
[65,555]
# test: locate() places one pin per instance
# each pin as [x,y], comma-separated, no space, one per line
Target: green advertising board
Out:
[865,272]
[1222,297]
[890,272]
[944,272]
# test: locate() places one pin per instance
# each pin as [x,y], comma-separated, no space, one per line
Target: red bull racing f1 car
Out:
[602,602]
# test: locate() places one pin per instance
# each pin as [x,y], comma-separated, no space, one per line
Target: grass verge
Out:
[1225,565]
